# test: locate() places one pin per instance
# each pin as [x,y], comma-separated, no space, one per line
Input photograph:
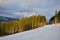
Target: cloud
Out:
[23,14]
[27,4]
[20,8]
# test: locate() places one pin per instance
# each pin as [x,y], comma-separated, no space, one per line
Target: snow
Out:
[48,32]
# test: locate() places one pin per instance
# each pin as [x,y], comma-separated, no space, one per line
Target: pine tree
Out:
[56,18]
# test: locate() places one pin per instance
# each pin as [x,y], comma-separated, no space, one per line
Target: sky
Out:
[24,8]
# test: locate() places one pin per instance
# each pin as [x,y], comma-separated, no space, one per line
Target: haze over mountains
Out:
[6,19]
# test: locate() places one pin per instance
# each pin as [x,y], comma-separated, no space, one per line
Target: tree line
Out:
[22,24]
[56,18]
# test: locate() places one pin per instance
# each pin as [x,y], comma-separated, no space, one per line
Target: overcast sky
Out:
[23,8]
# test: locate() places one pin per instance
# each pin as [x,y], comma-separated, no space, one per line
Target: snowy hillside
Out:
[48,32]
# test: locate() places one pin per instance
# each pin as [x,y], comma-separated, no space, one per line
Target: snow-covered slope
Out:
[48,32]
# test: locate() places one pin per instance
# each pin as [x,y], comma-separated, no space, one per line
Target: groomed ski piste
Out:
[47,32]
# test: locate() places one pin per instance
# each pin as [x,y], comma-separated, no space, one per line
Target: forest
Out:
[55,17]
[23,24]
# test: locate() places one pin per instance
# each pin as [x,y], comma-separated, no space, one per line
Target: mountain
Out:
[48,32]
[6,19]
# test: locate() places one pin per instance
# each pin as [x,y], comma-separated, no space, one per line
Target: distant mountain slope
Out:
[48,32]
[6,19]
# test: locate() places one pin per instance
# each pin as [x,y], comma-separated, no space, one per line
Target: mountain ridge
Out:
[6,19]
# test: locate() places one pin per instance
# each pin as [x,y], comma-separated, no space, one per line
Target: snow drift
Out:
[48,32]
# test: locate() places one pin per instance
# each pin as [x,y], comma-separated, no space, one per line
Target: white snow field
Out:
[48,32]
